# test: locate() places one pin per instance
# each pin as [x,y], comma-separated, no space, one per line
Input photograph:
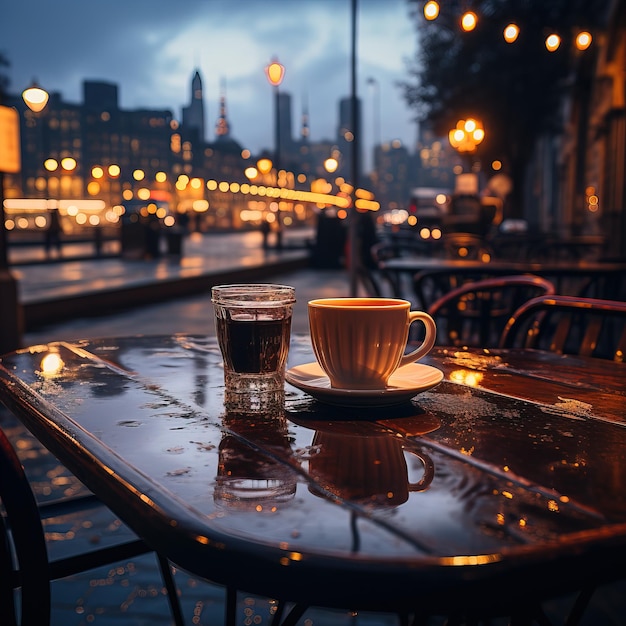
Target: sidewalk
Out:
[111,296]
[51,291]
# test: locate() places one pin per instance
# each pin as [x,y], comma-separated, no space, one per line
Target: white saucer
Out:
[404,383]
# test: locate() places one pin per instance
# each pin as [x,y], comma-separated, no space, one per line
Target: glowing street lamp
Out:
[11,326]
[466,136]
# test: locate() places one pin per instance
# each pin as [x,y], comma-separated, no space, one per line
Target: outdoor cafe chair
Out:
[569,325]
[475,313]
[26,563]
[431,284]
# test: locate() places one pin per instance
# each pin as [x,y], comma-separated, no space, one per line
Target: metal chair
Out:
[569,325]
[475,313]
[25,565]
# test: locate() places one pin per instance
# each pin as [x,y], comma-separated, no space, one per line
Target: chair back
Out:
[430,285]
[475,313]
[569,325]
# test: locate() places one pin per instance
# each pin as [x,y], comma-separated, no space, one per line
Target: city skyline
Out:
[153,55]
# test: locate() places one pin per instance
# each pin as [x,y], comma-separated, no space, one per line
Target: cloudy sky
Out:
[151,48]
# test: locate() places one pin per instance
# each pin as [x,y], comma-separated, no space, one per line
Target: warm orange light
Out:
[35,97]
[583,40]
[431,10]
[264,166]
[331,164]
[68,164]
[50,164]
[275,72]
[553,42]
[511,33]
[469,21]
[467,135]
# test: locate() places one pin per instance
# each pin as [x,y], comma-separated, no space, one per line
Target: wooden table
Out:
[502,486]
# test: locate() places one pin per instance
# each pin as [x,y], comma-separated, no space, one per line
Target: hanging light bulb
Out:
[553,42]
[469,21]
[511,33]
[431,10]
[583,40]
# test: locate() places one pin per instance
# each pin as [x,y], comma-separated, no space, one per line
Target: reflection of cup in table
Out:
[368,469]
[248,479]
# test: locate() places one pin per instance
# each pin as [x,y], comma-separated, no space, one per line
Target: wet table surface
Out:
[506,479]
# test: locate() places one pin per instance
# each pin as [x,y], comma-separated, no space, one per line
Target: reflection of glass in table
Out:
[524,497]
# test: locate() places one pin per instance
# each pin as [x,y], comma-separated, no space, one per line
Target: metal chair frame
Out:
[475,313]
[569,325]
[24,562]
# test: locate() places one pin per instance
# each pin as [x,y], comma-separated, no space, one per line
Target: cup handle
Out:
[429,472]
[429,339]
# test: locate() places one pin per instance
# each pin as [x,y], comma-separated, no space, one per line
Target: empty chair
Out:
[430,285]
[27,560]
[569,325]
[476,313]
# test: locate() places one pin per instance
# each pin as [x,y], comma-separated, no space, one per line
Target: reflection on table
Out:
[504,482]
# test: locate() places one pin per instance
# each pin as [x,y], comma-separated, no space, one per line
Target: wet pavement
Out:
[86,297]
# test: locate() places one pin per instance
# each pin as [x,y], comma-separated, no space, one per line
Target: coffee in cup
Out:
[361,342]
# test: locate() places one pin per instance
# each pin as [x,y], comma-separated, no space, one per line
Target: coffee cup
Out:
[361,342]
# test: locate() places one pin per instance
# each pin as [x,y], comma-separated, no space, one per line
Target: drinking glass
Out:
[253,326]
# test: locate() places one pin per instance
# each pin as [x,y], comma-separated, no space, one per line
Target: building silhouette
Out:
[193,114]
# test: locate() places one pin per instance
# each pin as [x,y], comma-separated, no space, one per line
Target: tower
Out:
[193,115]
[222,127]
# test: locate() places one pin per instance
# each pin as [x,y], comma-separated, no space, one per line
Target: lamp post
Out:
[10,310]
[275,73]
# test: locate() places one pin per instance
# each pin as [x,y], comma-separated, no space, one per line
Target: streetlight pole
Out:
[11,322]
[353,238]
[275,73]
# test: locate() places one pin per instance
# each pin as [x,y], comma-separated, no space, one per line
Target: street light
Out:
[466,136]
[10,311]
[275,73]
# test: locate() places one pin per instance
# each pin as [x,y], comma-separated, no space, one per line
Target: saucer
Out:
[405,383]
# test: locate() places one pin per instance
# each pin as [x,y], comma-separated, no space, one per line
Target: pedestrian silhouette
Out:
[53,232]
[265,231]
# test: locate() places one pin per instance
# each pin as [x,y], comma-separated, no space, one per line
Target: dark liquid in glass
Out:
[254,347]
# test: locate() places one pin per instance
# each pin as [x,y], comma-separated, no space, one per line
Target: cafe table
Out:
[568,276]
[480,482]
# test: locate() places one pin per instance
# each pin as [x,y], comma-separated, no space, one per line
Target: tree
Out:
[515,89]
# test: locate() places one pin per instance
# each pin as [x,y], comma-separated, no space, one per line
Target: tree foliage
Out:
[514,89]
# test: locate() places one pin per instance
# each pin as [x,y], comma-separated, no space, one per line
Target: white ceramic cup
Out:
[361,342]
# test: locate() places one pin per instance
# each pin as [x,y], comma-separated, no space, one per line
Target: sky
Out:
[151,49]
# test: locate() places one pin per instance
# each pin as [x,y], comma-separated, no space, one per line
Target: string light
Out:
[511,33]
[583,40]
[553,42]
[431,10]
[469,21]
